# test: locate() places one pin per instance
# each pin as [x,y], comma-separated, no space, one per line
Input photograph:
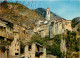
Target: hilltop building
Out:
[47,14]
[52,27]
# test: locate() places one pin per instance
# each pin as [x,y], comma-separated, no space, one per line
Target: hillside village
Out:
[12,35]
[51,27]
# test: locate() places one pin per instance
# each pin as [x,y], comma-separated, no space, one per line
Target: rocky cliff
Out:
[18,13]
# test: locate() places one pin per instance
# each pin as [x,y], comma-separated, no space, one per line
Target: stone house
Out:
[14,49]
[35,50]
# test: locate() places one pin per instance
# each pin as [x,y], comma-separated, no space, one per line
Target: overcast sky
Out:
[67,9]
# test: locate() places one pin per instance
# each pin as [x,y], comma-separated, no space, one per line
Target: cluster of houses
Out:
[15,33]
[50,27]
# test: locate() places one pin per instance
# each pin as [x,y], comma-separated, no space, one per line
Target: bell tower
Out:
[47,14]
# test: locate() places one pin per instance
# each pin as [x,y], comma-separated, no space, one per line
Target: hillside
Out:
[42,12]
[18,13]
[77,19]
[76,22]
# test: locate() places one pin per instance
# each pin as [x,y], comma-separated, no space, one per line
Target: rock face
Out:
[63,47]
[76,24]
[77,19]
[18,13]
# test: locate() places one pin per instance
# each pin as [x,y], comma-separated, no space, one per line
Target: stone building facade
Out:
[13,33]
[35,50]
[14,48]
[16,33]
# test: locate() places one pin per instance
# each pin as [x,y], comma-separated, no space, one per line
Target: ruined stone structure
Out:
[35,50]
[13,33]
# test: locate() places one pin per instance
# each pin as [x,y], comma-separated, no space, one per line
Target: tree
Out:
[57,39]
[3,49]
[54,50]
[76,48]
[37,38]
[73,23]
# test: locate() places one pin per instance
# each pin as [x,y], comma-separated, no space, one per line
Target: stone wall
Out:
[51,56]
[33,52]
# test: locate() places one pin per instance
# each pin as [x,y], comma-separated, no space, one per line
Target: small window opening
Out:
[16,53]
[17,49]
[29,48]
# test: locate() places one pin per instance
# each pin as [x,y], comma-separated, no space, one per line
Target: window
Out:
[15,44]
[17,39]
[29,48]
[17,49]
[16,53]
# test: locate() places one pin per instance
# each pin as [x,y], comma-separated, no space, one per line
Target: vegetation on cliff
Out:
[3,45]
[75,21]
[53,44]
[19,14]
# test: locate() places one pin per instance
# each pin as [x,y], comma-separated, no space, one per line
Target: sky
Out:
[67,9]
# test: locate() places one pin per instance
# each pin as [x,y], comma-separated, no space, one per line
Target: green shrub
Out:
[76,48]
[4,4]
[73,23]
[53,49]
[3,49]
